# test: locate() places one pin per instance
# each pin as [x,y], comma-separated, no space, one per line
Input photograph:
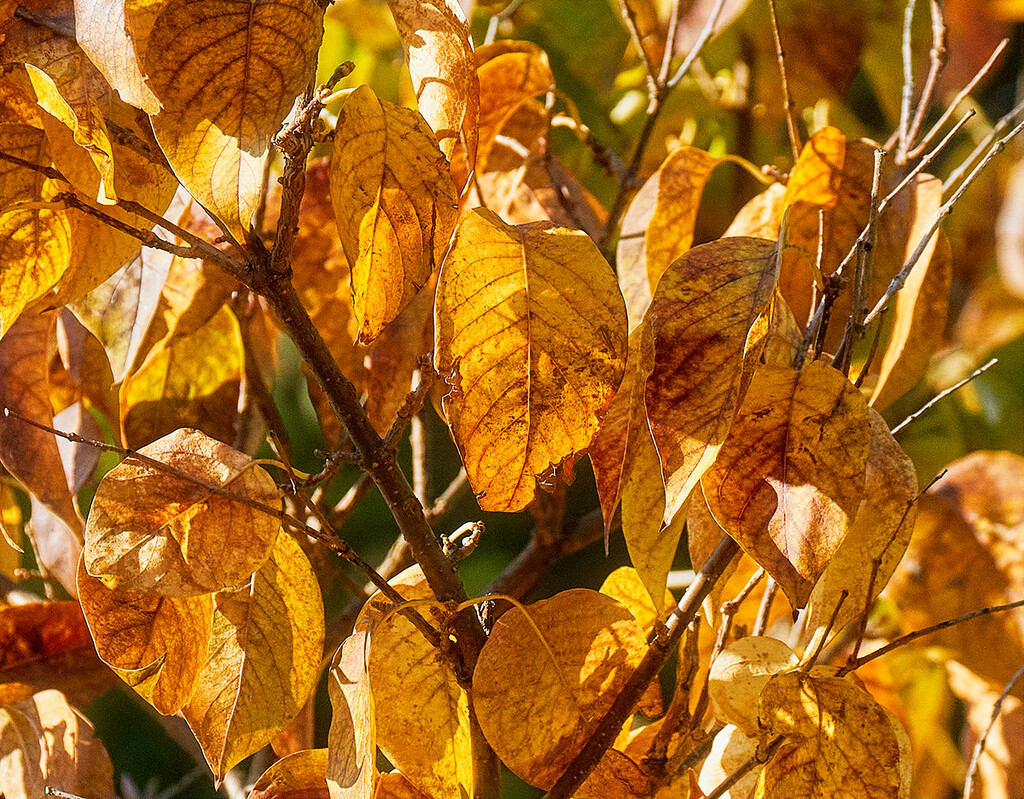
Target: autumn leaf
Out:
[730,749]
[530,333]
[421,710]
[169,534]
[876,540]
[156,644]
[789,498]
[837,739]
[571,656]
[298,776]
[263,660]
[395,204]
[657,228]
[351,767]
[437,44]
[738,675]
[226,73]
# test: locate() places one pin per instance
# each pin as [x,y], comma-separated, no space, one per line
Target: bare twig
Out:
[907,97]
[1002,124]
[944,393]
[787,95]
[630,21]
[937,60]
[972,769]
[771,588]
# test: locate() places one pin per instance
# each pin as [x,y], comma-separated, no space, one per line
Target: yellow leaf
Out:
[437,44]
[192,381]
[25,388]
[298,776]
[35,245]
[838,741]
[625,585]
[226,72]
[877,539]
[530,333]
[761,217]
[156,644]
[657,228]
[702,314]
[730,749]
[395,204]
[155,532]
[10,528]
[739,673]
[542,683]
[263,660]
[422,713]
[788,497]
[352,748]
[101,33]
[394,785]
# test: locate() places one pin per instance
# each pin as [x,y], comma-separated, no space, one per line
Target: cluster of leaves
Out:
[161,221]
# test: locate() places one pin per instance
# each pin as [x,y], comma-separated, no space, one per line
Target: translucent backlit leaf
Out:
[729,750]
[395,204]
[263,660]
[789,479]
[657,228]
[192,381]
[530,333]
[838,740]
[156,644]
[421,711]
[226,73]
[298,776]
[877,539]
[153,531]
[440,52]
[701,316]
[739,673]
[351,765]
[542,683]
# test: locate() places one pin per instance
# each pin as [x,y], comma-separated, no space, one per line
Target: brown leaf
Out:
[789,498]
[702,313]
[440,54]
[263,660]
[298,776]
[533,347]
[395,204]
[156,532]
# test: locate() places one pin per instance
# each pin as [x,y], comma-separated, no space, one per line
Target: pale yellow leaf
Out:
[739,673]
[352,748]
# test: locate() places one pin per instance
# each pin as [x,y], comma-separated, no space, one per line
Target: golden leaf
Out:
[155,532]
[702,314]
[298,776]
[877,539]
[657,228]
[838,741]
[191,381]
[263,660]
[788,498]
[394,785]
[530,333]
[422,713]
[156,644]
[226,73]
[440,53]
[395,204]
[730,749]
[542,683]
[352,748]
[625,585]
[739,673]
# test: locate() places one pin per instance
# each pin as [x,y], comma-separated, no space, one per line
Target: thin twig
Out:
[903,640]
[937,57]
[629,20]
[347,504]
[907,97]
[456,489]
[1001,124]
[944,393]
[771,588]
[787,95]
[705,36]
[972,769]
[744,768]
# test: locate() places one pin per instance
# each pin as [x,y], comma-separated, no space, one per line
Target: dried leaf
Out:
[533,346]
[191,381]
[837,740]
[440,53]
[657,228]
[395,204]
[789,498]
[156,644]
[877,539]
[351,767]
[298,776]
[153,531]
[57,545]
[263,661]
[542,683]
[702,314]
[739,673]
[226,73]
